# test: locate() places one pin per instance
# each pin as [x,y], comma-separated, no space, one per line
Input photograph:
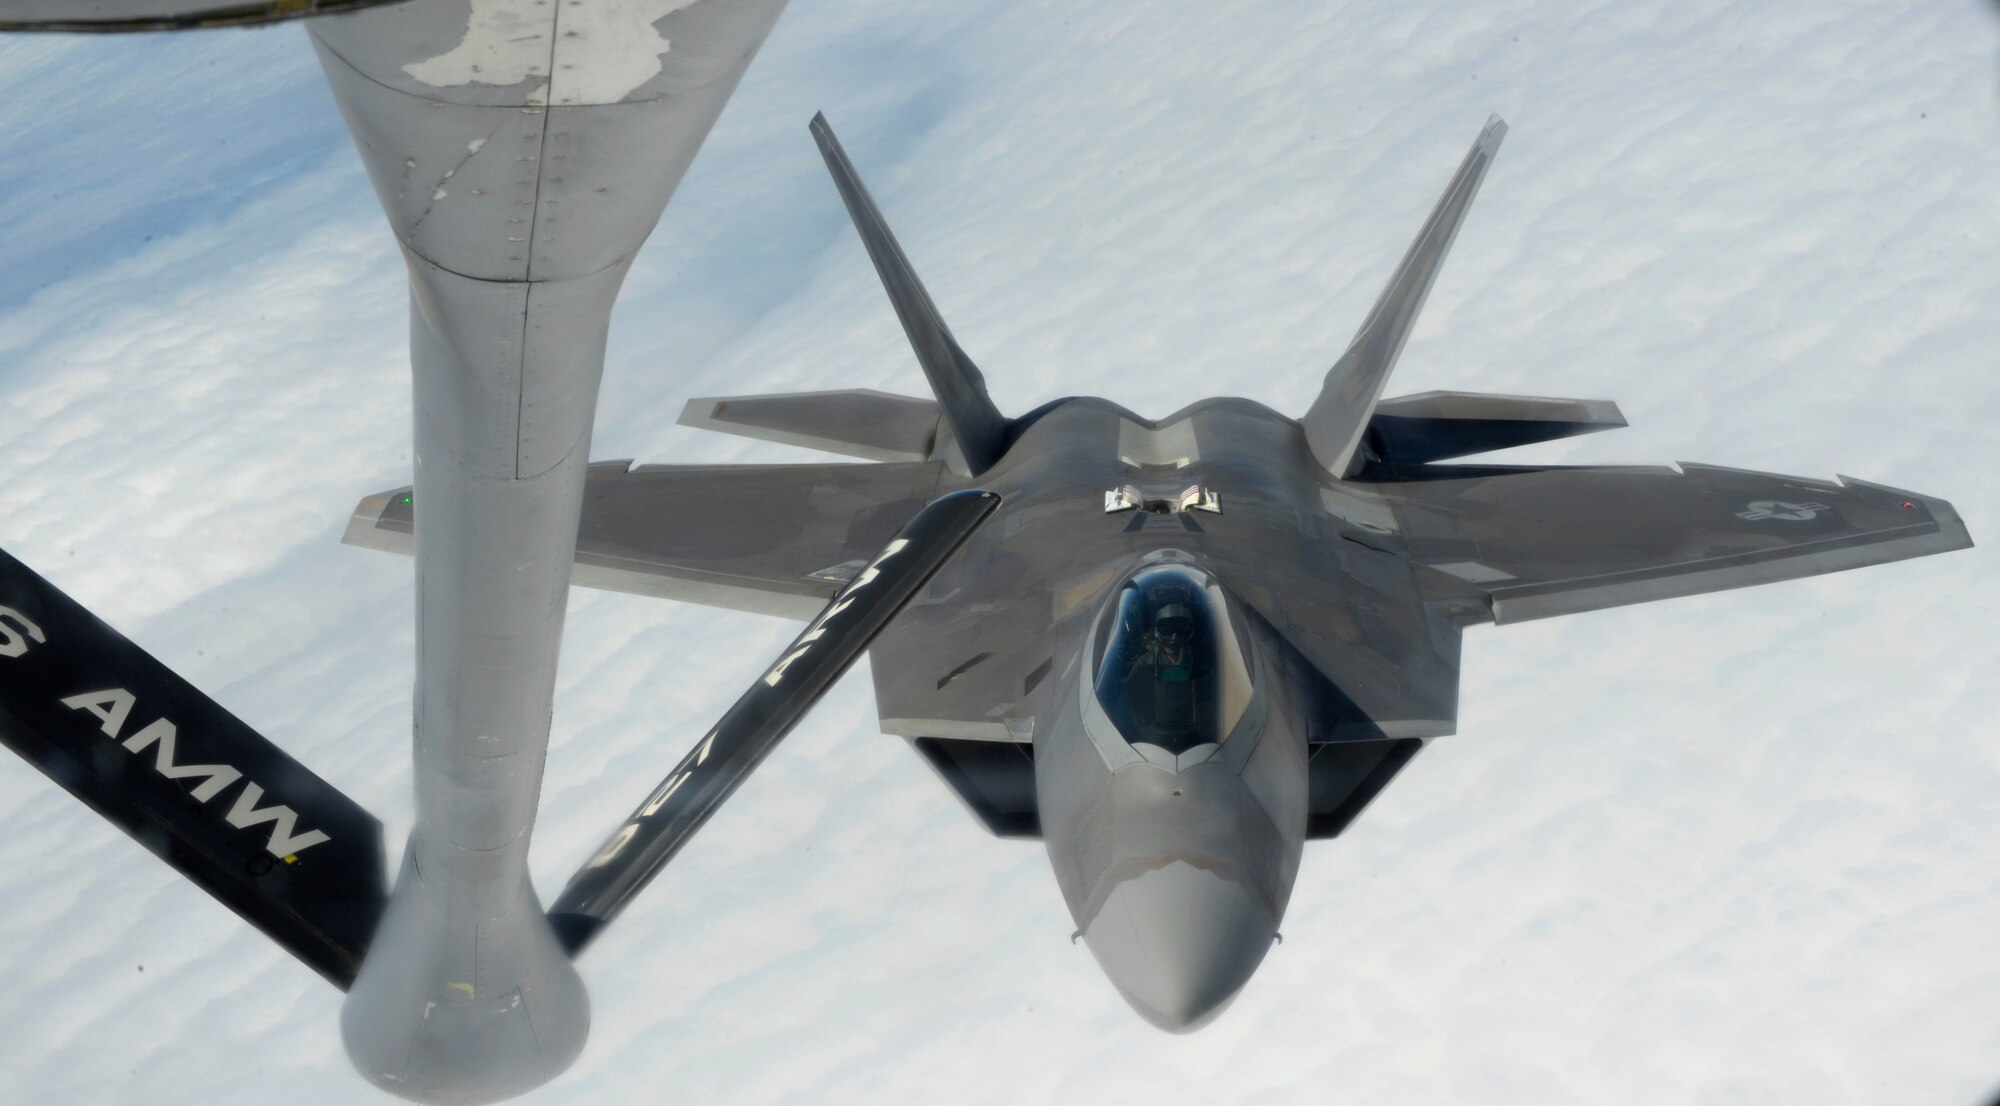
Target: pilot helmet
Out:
[1175,623]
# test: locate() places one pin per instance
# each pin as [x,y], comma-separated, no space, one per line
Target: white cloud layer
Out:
[1732,849]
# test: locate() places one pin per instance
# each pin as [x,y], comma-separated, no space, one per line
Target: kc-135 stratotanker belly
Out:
[1173,650]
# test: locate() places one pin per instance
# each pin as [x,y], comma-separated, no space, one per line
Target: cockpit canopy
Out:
[1171,668]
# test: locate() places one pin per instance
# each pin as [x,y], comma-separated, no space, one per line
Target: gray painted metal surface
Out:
[876,426]
[1437,426]
[1339,562]
[979,427]
[523,152]
[165,15]
[1338,418]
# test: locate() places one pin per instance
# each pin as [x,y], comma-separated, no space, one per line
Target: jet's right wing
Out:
[1537,542]
[769,539]
[712,771]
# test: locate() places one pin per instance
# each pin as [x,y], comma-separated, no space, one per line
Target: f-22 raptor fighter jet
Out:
[1181,648]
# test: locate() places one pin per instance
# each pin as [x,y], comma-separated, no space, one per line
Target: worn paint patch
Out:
[598,53]
[505,42]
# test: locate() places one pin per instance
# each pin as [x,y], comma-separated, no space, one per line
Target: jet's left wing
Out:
[1536,542]
[769,539]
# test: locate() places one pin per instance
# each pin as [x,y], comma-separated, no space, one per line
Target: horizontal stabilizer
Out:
[1338,419]
[746,734]
[983,433]
[165,15]
[205,793]
[1434,426]
[857,422]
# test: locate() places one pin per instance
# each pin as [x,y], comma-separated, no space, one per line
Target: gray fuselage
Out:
[1176,857]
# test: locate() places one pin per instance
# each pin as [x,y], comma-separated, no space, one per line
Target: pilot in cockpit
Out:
[1157,679]
[1163,671]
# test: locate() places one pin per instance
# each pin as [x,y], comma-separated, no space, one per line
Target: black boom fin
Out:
[983,433]
[204,792]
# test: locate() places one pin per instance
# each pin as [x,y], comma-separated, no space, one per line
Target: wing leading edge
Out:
[768,539]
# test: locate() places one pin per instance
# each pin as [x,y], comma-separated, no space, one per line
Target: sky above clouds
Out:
[1731,849]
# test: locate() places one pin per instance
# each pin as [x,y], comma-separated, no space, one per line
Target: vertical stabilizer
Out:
[979,427]
[1339,417]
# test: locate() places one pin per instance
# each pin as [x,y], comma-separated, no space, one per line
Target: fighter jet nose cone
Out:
[1179,942]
